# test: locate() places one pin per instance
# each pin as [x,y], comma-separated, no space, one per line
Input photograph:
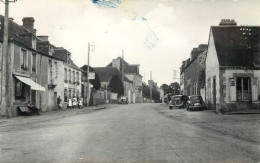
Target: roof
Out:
[106,73]
[235,44]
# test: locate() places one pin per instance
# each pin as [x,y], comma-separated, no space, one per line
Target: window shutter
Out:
[232,92]
[254,90]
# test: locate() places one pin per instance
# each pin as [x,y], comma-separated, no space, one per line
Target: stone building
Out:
[71,74]
[131,71]
[192,72]
[107,75]
[233,67]
[30,68]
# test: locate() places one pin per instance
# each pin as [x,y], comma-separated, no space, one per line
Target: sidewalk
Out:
[244,126]
[52,115]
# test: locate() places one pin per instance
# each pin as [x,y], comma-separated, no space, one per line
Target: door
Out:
[214,93]
[33,97]
[55,101]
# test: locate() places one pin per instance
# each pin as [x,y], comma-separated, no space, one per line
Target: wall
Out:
[99,97]
[229,102]
[212,69]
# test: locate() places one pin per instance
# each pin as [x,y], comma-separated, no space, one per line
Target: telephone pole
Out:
[151,87]
[6,72]
[122,70]
[88,88]
[88,92]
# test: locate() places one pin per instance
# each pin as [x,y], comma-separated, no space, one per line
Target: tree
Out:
[116,85]
[167,89]
[175,87]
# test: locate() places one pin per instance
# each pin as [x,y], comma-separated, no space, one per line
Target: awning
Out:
[31,83]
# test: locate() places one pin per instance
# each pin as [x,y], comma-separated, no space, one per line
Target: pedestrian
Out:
[74,103]
[70,103]
[80,102]
[59,102]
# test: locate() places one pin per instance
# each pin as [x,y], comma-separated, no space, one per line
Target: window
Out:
[78,77]
[56,69]
[69,76]
[23,59]
[65,75]
[20,90]
[73,77]
[51,73]
[33,62]
[243,89]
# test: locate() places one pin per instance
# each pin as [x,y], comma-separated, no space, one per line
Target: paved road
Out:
[129,133]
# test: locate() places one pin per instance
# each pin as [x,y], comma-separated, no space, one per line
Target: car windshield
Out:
[176,99]
[195,98]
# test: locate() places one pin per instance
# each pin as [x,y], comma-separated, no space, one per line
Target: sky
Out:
[157,34]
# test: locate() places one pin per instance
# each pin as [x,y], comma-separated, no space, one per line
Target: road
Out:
[128,133]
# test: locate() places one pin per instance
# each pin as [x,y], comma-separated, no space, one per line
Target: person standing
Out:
[70,103]
[80,102]
[59,102]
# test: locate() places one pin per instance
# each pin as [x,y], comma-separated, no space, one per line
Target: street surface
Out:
[132,133]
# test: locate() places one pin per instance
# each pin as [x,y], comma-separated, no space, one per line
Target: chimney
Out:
[28,23]
[227,22]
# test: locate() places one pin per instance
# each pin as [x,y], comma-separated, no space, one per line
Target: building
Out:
[71,83]
[111,80]
[192,72]
[233,67]
[131,71]
[31,80]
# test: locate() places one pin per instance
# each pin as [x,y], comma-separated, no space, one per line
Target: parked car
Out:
[123,100]
[178,101]
[195,102]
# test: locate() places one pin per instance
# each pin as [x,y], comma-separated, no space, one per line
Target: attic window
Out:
[241,29]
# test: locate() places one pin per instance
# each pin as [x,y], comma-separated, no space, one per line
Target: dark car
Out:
[178,101]
[195,102]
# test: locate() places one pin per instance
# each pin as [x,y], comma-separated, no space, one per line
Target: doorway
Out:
[214,93]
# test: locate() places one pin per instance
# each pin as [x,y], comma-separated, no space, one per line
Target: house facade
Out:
[233,67]
[131,71]
[192,72]
[31,80]
[71,83]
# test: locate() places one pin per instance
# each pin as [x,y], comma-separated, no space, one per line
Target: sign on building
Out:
[91,75]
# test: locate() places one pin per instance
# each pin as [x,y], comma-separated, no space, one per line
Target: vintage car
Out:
[195,102]
[123,100]
[178,101]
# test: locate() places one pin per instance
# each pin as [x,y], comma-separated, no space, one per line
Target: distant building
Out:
[111,80]
[131,71]
[192,72]
[233,67]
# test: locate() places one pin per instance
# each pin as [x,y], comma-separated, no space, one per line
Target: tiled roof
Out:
[235,45]
[106,73]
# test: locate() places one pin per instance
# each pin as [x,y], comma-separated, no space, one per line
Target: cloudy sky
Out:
[157,34]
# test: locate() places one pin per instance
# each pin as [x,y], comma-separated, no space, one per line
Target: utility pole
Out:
[88,88]
[6,84]
[151,87]
[88,92]
[122,69]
